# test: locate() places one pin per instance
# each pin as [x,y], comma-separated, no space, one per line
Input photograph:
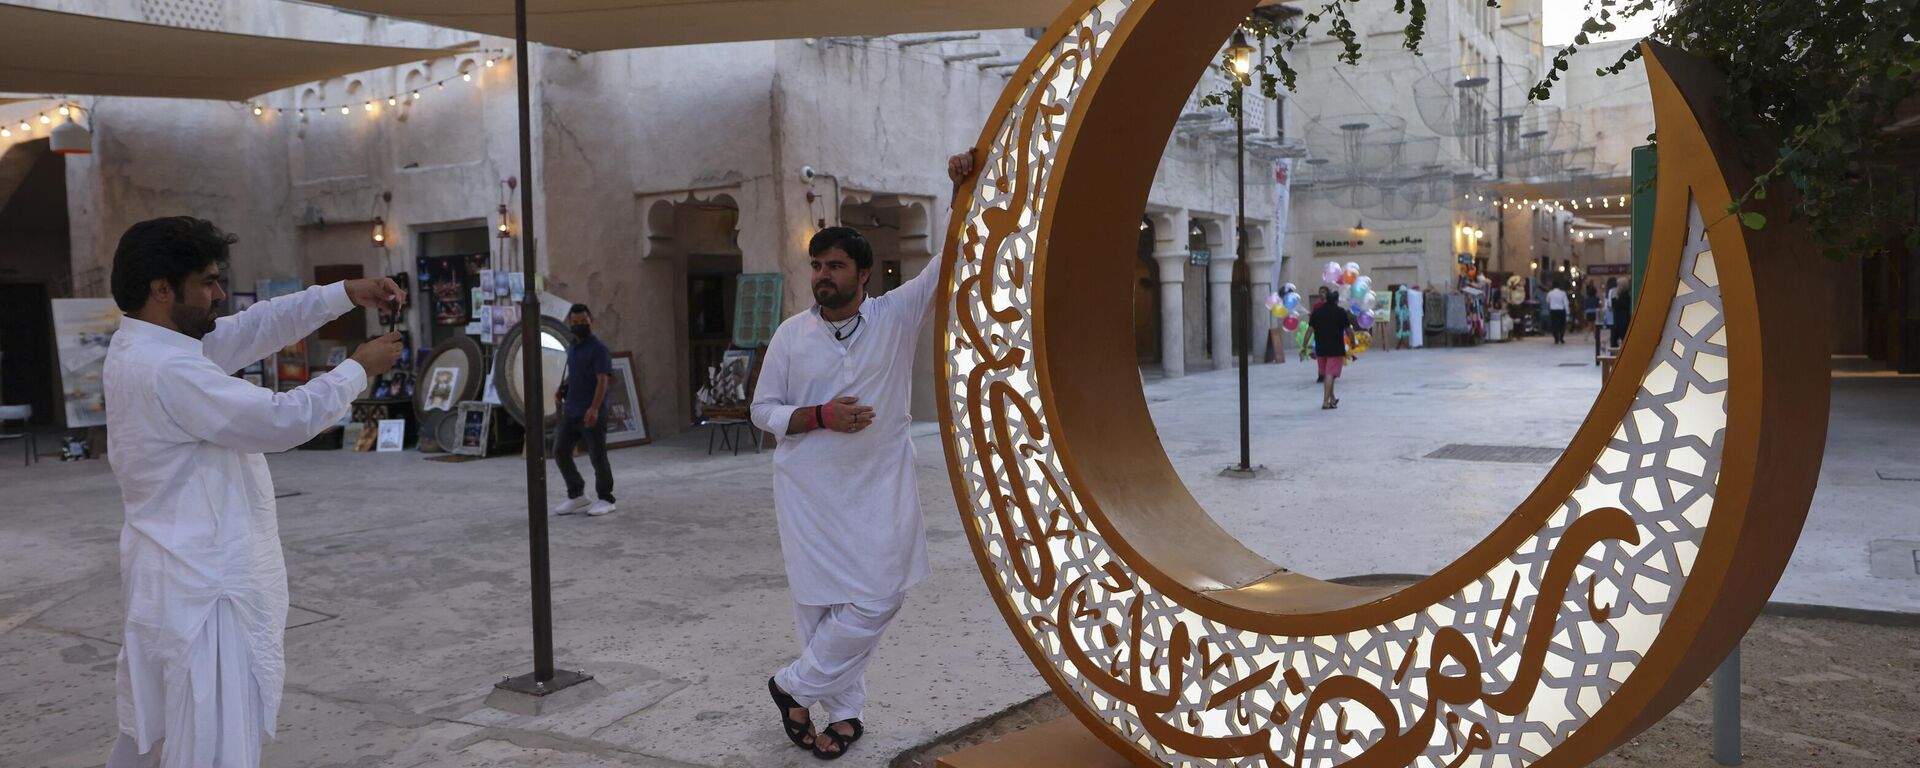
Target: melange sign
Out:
[1349,244]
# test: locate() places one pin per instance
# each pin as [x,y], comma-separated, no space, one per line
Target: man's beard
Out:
[825,295]
[191,321]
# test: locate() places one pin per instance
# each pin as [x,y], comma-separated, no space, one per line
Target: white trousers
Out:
[836,642]
[126,754]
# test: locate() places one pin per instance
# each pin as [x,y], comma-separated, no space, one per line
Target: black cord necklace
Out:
[846,330]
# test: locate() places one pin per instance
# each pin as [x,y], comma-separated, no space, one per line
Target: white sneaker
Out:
[572,506]
[600,508]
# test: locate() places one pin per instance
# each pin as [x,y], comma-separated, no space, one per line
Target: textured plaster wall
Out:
[644,147]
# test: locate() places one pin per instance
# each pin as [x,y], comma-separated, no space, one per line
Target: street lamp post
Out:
[1241,54]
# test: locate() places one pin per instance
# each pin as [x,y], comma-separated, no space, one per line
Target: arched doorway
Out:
[35,268]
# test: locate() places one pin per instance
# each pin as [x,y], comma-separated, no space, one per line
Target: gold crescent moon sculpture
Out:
[1594,609]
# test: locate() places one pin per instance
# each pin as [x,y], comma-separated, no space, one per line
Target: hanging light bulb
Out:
[489,62]
[257,111]
[24,128]
[467,76]
[368,107]
[379,232]
[6,133]
[1479,234]
[392,102]
[65,110]
[345,111]
[416,95]
[44,120]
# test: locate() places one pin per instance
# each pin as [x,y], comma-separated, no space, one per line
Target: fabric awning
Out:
[66,53]
[600,25]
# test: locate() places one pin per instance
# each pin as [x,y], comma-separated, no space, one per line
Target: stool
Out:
[728,433]
[20,413]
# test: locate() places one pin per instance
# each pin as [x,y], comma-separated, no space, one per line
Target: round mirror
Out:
[508,370]
[452,374]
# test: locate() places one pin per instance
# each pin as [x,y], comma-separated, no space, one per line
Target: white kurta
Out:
[847,504]
[201,571]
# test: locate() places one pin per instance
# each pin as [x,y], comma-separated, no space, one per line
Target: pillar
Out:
[1222,239]
[1170,252]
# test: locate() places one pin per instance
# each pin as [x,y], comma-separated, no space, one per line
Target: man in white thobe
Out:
[837,385]
[201,571]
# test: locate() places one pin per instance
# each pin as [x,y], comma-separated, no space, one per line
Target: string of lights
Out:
[1563,204]
[26,125]
[371,107]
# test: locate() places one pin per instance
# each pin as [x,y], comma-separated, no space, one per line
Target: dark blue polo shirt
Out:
[586,360]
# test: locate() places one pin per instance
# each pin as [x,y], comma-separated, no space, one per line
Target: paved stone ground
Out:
[409,577]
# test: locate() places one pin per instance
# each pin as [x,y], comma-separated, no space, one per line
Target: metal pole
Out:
[1500,156]
[1242,274]
[544,679]
[534,406]
[1726,710]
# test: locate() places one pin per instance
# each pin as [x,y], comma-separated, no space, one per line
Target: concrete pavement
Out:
[409,577]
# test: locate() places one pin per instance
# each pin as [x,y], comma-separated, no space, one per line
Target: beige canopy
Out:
[66,53]
[599,25]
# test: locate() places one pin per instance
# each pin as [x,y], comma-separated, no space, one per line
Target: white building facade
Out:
[661,175]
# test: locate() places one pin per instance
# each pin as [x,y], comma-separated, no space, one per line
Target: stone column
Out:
[1222,240]
[1170,252]
[1260,263]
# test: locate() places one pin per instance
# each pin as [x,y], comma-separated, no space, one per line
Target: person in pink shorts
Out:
[1330,322]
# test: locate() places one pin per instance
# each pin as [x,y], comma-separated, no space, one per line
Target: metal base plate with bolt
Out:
[1237,472]
[525,695]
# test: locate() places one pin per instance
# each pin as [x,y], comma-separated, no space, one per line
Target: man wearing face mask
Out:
[201,571]
[582,400]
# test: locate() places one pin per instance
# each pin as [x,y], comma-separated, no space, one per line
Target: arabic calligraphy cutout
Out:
[1600,602]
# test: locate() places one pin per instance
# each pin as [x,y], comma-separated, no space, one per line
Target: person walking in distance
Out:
[1557,312]
[582,399]
[1330,322]
[202,576]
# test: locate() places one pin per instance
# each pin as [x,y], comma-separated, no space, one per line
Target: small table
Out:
[1606,361]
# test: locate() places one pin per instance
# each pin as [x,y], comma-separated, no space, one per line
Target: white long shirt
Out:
[847,504]
[201,571]
[1557,300]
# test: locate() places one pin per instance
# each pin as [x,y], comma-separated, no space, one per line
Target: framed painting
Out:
[626,419]
[475,420]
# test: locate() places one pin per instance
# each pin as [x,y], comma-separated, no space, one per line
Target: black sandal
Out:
[840,740]
[797,730]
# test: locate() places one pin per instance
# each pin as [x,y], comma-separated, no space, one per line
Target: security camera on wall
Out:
[807,173]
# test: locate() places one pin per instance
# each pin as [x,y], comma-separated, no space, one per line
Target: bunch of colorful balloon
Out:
[1286,307]
[1361,301]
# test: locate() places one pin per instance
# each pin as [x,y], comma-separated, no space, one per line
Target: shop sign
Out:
[1347,244]
[1200,257]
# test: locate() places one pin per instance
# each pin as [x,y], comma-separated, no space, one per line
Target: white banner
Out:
[1282,203]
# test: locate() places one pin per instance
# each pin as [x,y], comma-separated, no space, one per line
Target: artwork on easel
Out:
[626,418]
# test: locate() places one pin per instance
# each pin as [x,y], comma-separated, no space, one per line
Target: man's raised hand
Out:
[960,166]
[375,292]
[379,355]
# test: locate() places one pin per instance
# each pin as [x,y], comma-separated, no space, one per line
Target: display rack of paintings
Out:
[452,283]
